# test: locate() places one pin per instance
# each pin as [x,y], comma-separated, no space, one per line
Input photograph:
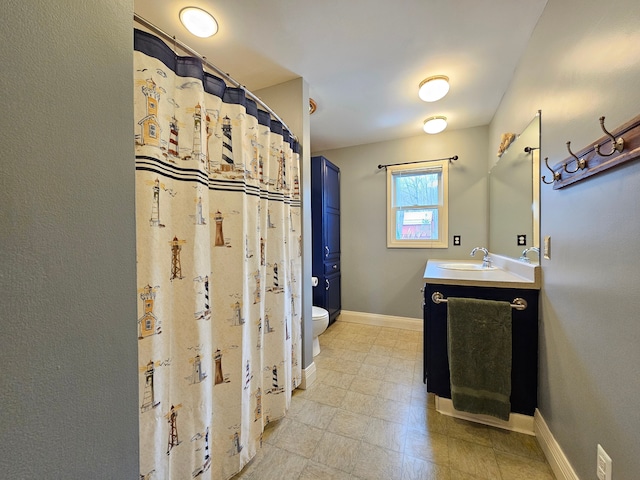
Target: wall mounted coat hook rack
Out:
[591,160]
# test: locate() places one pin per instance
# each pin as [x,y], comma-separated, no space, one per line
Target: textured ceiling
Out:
[363,59]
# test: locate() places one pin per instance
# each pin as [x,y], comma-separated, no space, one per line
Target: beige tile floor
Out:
[368,416]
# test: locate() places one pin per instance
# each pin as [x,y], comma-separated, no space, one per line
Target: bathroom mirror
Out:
[514,195]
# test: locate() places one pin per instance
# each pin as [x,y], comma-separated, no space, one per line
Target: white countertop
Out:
[510,273]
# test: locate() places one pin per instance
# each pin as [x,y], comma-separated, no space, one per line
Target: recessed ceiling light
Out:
[197,21]
[435,124]
[433,88]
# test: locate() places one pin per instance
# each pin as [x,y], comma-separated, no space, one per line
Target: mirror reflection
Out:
[514,196]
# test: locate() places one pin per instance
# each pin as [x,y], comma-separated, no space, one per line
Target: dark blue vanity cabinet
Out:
[524,370]
[325,214]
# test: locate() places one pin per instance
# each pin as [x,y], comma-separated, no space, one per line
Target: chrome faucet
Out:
[486,260]
[524,258]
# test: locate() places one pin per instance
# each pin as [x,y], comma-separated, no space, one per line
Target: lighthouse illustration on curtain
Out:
[205,313]
[176,264]
[237,318]
[281,182]
[173,137]
[197,375]
[196,150]
[227,147]
[150,127]
[209,131]
[154,220]
[148,397]
[219,241]
[148,323]
[172,418]
[199,217]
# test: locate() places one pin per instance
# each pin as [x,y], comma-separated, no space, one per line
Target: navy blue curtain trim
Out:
[166,174]
[152,46]
[264,118]
[142,159]
[150,164]
[234,96]
[252,108]
[214,85]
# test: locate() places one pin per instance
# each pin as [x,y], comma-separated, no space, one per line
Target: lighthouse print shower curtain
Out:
[218,261]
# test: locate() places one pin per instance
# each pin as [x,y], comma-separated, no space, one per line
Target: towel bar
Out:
[518,303]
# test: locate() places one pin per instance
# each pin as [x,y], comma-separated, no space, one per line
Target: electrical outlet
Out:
[456,240]
[603,467]
[522,240]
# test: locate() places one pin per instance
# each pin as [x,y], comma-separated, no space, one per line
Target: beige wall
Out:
[385,281]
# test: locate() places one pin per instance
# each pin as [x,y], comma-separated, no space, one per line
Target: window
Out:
[417,205]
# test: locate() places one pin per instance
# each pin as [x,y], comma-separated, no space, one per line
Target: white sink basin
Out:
[465,266]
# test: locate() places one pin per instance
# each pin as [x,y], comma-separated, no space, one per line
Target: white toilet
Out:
[320,324]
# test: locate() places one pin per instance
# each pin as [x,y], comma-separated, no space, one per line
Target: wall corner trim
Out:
[560,465]
[309,376]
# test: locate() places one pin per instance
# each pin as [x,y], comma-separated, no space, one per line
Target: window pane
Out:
[417,224]
[415,189]
[417,204]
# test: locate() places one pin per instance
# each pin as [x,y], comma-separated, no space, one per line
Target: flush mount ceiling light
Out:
[197,21]
[433,88]
[435,124]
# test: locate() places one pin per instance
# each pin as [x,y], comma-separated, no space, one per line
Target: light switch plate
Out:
[604,464]
[547,247]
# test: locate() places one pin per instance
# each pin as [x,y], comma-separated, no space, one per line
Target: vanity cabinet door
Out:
[436,359]
[524,369]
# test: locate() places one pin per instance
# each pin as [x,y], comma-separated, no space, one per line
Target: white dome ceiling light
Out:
[433,88]
[435,124]
[197,21]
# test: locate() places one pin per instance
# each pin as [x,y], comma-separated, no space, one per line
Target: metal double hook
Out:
[581,163]
[556,175]
[617,143]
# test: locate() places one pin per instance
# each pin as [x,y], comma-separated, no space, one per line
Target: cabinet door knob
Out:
[326,250]
[335,267]
[326,281]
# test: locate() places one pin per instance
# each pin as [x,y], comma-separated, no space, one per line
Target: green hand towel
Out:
[479,347]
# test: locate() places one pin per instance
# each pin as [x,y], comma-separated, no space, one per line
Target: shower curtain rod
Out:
[172,38]
[454,158]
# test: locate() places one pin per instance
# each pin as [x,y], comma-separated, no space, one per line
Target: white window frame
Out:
[441,166]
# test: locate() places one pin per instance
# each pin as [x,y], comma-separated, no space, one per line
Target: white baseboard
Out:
[517,422]
[561,467]
[309,376]
[378,320]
